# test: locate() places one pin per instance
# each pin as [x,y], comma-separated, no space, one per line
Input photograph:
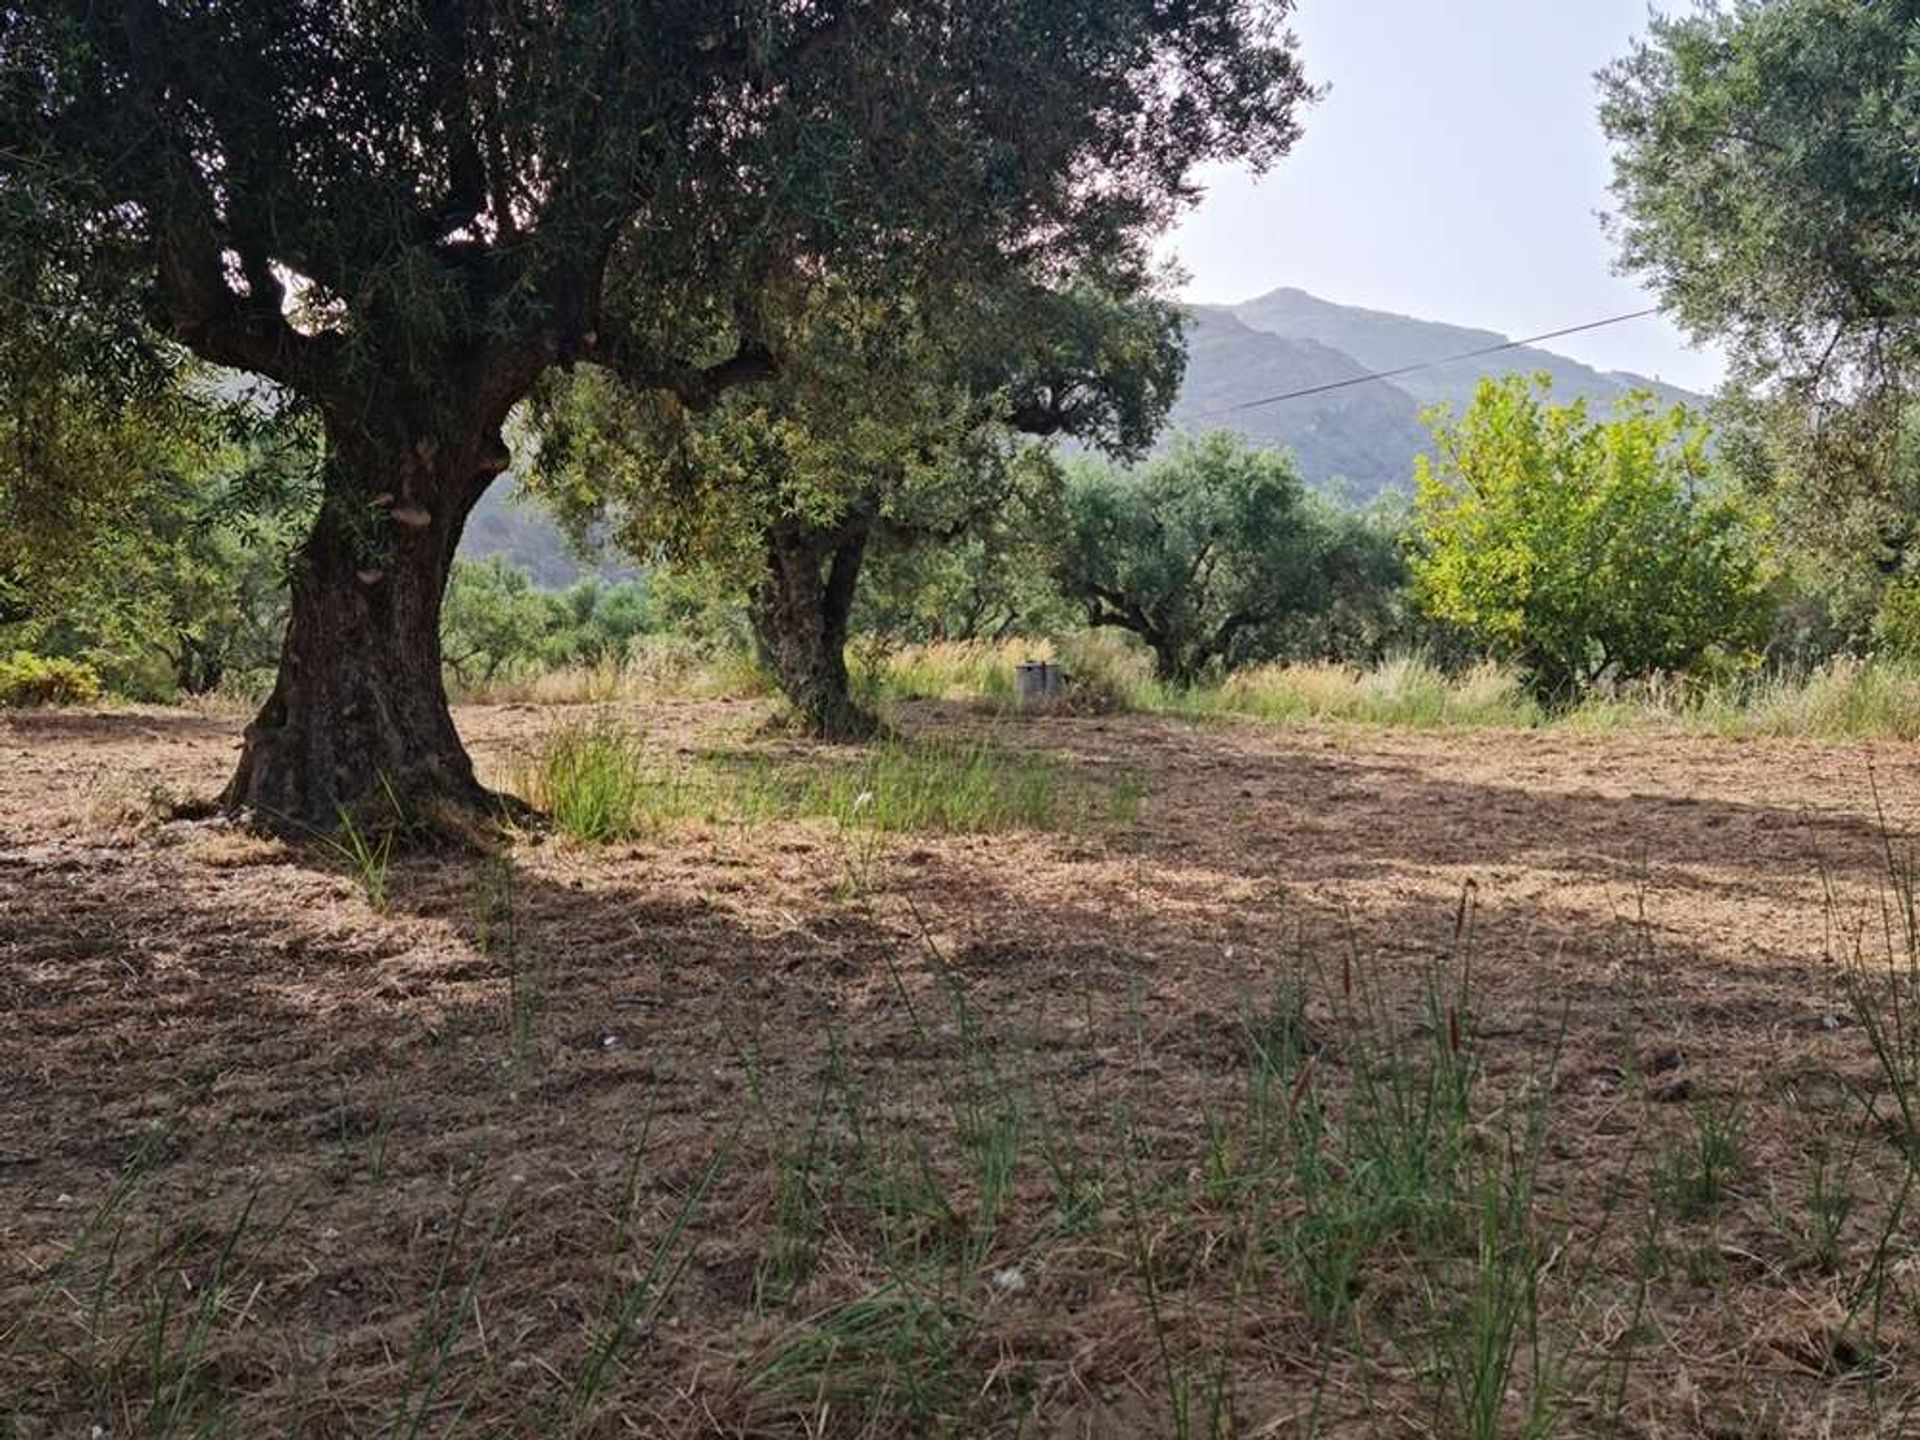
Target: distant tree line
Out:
[1585,551]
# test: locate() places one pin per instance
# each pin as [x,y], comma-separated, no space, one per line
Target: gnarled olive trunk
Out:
[1171,663]
[358,715]
[800,611]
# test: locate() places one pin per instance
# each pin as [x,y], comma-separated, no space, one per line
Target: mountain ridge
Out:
[1388,340]
[1288,340]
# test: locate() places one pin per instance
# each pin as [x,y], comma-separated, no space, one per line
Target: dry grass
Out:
[1405,692]
[1362,1083]
[655,667]
[1845,699]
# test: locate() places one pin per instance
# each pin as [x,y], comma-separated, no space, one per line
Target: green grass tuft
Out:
[593,780]
[598,784]
[889,1356]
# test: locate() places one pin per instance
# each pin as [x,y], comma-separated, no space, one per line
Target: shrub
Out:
[28,679]
[1896,627]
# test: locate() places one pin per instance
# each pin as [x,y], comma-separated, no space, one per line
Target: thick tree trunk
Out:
[358,718]
[1171,663]
[800,611]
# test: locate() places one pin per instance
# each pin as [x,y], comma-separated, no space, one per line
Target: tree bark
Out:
[1171,664]
[358,719]
[800,611]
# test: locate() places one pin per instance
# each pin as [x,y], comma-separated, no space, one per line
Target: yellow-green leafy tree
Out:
[1581,548]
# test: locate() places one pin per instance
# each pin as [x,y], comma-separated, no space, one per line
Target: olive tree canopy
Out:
[1764,162]
[1765,169]
[899,420]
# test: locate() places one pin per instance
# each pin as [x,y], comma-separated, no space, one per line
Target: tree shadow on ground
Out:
[52,725]
[1265,804]
[286,1035]
[530,1030]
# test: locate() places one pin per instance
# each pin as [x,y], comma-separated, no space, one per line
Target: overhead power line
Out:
[1425,364]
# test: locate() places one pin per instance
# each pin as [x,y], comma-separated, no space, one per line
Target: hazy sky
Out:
[1455,171]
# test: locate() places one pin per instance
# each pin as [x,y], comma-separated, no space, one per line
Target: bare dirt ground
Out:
[277,1161]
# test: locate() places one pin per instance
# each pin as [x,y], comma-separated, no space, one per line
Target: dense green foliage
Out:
[98,427]
[1765,171]
[1842,488]
[1764,165]
[1896,628]
[1216,555]
[146,530]
[809,380]
[1581,547]
[988,583]
[890,413]
[92,408]
[496,621]
[900,423]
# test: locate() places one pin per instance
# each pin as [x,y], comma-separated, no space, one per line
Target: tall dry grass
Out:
[654,667]
[1846,698]
[1405,691]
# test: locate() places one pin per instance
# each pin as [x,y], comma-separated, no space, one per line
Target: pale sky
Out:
[1454,171]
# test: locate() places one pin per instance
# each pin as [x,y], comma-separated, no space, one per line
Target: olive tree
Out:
[1212,554]
[899,422]
[1764,172]
[85,450]
[145,503]
[988,585]
[406,215]
[1764,168]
